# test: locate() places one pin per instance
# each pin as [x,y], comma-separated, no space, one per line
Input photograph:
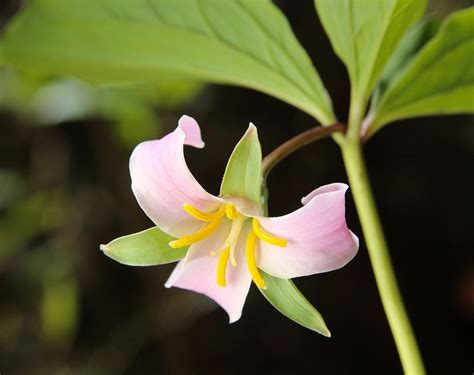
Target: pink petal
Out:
[197,272]
[162,182]
[317,234]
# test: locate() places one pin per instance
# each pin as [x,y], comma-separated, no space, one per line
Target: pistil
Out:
[231,240]
[231,211]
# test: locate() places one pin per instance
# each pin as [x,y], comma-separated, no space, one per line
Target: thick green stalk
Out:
[378,250]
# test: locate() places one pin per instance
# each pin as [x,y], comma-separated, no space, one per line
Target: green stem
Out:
[379,254]
[351,146]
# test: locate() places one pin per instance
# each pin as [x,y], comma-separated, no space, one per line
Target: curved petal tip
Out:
[331,188]
[162,182]
[192,131]
[317,234]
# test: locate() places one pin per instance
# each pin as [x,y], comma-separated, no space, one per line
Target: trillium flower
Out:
[226,240]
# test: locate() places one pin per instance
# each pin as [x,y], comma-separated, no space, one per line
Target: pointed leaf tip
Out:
[288,300]
[326,333]
[104,248]
[243,174]
[147,248]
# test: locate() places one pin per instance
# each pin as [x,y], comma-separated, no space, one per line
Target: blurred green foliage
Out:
[42,214]
[59,311]
[133,110]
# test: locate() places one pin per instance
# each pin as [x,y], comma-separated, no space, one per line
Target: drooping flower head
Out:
[226,240]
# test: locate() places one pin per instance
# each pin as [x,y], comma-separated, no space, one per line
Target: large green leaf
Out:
[415,38]
[364,34]
[439,80]
[288,300]
[240,42]
[243,174]
[147,248]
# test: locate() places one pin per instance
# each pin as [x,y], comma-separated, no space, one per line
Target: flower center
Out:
[227,250]
[232,238]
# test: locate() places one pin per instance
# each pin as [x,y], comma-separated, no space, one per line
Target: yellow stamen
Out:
[194,212]
[198,236]
[221,267]
[231,211]
[268,238]
[252,266]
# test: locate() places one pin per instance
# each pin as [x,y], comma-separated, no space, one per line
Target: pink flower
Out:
[229,239]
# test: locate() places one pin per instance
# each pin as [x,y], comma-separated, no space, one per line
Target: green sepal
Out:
[243,174]
[147,248]
[287,299]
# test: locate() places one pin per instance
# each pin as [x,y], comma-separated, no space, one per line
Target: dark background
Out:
[67,309]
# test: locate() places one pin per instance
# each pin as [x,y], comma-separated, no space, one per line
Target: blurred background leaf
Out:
[32,216]
[131,109]
[59,309]
[247,43]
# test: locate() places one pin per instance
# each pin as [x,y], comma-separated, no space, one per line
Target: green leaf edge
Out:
[314,320]
[176,254]
[363,92]
[378,122]
[317,103]
[411,43]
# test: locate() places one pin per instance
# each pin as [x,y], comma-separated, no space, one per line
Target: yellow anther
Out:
[194,212]
[252,266]
[221,267]
[198,236]
[231,211]
[268,238]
